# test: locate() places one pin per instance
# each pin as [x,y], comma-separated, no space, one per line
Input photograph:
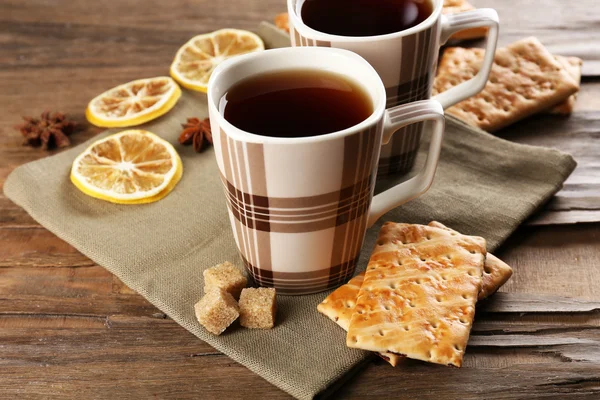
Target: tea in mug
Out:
[295,103]
[364,17]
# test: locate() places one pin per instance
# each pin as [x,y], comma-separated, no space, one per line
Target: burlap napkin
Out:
[484,186]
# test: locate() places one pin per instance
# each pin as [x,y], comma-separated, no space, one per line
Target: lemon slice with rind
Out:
[129,167]
[196,60]
[133,103]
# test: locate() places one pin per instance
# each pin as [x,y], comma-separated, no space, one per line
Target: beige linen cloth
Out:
[484,186]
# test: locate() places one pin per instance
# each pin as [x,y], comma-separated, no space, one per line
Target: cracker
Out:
[419,293]
[339,306]
[573,67]
[458,6]
[524,80]
[282,21]
[495,271]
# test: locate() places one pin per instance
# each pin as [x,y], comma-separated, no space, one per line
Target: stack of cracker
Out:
[417,297]
[525,79]
[218,308]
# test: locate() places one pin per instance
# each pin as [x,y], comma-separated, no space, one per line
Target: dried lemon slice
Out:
[133,103]
[196,60]
[129,167]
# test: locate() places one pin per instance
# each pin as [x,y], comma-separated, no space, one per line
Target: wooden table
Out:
[70,329]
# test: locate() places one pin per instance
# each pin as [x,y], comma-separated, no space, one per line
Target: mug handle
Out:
[396,118]
[485,17]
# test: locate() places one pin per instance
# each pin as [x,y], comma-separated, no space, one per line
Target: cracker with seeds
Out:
[573,66]
[458,6]
[525,79]
[419,293]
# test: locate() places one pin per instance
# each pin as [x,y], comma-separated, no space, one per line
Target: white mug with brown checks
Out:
[299,207]
[406,62]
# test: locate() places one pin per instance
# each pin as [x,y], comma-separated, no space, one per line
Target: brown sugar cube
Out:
[216,310]
[257,308]
[225,276]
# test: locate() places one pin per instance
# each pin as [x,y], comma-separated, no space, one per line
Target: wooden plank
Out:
[13,216]
[534,323]
[564,217]
[37,247]
[183,378]
[554,260]
[543,380]
[529,341]
[78,291]
[567,202]
[565,27]
[527,302]
[576,135]
[579,199]
[94,306]
[587,98]
[127,342]
[94,338]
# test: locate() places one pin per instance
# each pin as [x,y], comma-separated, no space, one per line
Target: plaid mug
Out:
[299,207]
[406,61]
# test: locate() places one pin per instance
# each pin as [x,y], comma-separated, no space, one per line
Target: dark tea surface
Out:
[295,103]
[364,17]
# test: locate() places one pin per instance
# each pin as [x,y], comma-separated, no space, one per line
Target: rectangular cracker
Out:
[458,6]
[495,271]
[573,66]
[525,79]
[419,293]
[339,306]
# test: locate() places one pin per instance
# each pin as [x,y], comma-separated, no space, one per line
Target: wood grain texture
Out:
[522,303]
[567,28]
[70,329]
[579,135]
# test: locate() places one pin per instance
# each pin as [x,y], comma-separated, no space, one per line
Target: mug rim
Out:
[314,54]
[318,35]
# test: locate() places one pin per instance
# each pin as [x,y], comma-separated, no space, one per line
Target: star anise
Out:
[196,132]
[50,130]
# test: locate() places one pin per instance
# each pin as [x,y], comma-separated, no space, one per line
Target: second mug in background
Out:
[406,60]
